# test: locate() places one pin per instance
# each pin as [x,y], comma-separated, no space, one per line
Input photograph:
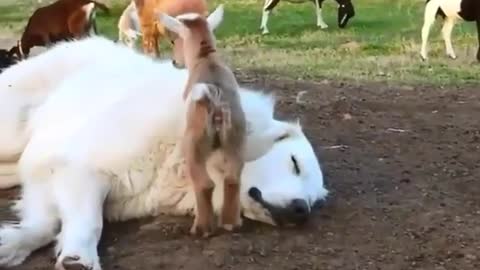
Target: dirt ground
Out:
[405,190]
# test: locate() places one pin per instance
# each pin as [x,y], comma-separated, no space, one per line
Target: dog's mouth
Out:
[295,213]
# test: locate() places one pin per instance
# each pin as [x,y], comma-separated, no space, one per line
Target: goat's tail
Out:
[219,117]
[102,6]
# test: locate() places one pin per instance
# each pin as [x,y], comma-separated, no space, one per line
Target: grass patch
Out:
[380,44]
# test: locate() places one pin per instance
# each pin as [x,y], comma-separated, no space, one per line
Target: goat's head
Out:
[18,51]
[346,11]
[191,35]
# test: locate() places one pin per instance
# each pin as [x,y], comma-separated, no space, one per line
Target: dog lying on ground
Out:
[98,136]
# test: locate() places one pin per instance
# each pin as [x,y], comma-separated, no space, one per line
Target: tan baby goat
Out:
[215,118]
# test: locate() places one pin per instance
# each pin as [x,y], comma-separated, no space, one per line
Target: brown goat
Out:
[152,30]
[215,119]
[61,20]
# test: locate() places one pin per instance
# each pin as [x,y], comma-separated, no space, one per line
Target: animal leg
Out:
[263,25]
[150,40]
[80,195]
[204,223]
[429,18]
[38,223]
[231,216]
[320,22]
[478,34]
[267,10]
[77,24]
[447,36]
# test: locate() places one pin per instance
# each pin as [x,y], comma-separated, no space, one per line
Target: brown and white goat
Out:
[153,30]
[61,20]
[451,11]
[215,123]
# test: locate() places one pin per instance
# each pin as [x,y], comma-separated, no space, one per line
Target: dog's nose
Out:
[298,211]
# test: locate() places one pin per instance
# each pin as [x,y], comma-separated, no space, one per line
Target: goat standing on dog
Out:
[215,119]
[62,20]
[346,11]
[450,11]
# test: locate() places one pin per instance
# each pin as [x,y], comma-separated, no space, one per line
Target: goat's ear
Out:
[215,18]
[171,23]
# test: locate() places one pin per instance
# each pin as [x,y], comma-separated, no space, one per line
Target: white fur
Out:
[129,26]
[104,133]
[215,18]
[451,9]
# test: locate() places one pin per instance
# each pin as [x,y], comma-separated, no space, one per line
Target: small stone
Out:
[471,257]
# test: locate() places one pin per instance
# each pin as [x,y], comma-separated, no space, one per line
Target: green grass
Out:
[380,44]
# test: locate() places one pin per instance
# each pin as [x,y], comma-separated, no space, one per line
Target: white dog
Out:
[98,133]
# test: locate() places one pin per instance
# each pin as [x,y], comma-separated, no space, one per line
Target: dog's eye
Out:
[296,168]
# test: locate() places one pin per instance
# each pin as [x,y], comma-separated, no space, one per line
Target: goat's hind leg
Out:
[447,36]
[318,9]
[37,227]
[204,223]
[231,210]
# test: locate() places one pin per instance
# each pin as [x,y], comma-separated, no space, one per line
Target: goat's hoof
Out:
[231,224]
[203,229]
[452,56]
[424,58]
[322,26]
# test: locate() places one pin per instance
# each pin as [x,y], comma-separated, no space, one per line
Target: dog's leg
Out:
[429,18]
[80,195]
[447,36]
[230,215]
[320,22]
[38,223]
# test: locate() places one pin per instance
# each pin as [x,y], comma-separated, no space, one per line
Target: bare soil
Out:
[405,190]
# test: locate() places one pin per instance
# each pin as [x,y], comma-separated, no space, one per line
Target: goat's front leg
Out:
[203,186]
[429,18]
[231,209]
[150,39]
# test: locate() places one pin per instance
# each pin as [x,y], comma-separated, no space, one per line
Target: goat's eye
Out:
[296,168]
